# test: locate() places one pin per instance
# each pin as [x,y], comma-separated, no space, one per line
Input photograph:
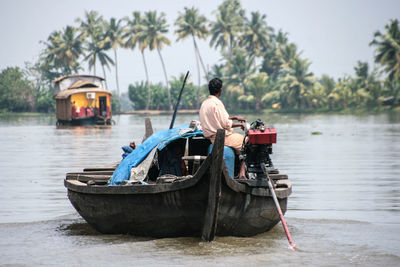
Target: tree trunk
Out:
[230,47]
[94,66]
[201,60]
[198,73]
[166,79]
[105,78]
[148,81]
[116,77]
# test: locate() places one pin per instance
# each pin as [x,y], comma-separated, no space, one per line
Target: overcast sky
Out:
[333,34]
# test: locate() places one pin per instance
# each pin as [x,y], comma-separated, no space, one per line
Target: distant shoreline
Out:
[353,111]
[158,112]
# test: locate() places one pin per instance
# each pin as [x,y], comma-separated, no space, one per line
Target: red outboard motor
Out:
[257,148]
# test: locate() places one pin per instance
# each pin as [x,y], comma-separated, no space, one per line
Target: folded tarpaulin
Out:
[161,138]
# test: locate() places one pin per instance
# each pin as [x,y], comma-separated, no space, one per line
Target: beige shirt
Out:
[213,116]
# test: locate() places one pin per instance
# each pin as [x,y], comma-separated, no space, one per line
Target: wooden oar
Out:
[177,103]
[278,207]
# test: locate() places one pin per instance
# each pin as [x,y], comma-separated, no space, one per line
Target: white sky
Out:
[333,34]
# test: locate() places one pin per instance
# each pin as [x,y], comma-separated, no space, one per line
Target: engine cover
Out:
[262,136]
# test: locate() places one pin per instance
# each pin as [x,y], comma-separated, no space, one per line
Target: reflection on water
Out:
[344,209]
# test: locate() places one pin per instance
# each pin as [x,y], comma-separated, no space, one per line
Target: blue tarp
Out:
[161,138]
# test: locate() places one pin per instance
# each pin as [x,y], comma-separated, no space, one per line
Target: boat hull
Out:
[242,210]
[85,121]
[166,214]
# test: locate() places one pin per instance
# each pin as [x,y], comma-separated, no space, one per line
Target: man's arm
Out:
[222,117]
[238,118]
[239,124]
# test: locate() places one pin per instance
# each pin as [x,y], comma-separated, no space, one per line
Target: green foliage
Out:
[115,103]
[257,85]
[137,94]
[189,94]
[260,67]
[256,34]
[16,92]
[228,26]
[159,100]
[388,49]
[45,102]
[191,23]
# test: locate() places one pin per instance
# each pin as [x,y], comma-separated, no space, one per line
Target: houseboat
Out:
[82,100]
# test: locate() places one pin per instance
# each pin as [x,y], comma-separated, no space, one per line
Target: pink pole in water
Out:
[278,207]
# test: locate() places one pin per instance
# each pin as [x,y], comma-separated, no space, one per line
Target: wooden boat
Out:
[82,100]
[205,204]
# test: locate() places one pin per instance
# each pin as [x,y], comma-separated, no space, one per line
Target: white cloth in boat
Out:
[139,172]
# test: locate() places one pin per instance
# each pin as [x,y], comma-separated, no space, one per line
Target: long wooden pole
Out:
[214,189]
[278,207]
[177,103]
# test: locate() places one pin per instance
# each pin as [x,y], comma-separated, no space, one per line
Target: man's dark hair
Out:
[214,86]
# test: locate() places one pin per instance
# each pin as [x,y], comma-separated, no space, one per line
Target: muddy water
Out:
[344,210]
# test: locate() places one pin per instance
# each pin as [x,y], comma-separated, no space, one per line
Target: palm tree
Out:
[281,38]
[368,85]
[289,54]
[277,55]
[239,67]
[49,55]
[152,34]
[217,70]
[63,50]
[295,85]
[132,39]
[228,25]
[190,23]
[256,36]
[388,49]
[257,84]
[96,50]
[328,85]
[272,62]
[342,92]
[114,37]
[393,91]
[90,29]
[93,30]
[235,73]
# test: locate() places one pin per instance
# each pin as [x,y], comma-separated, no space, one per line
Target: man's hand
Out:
[238,118]
[239,124]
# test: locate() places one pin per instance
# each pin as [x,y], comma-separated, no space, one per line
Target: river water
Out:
[344,210]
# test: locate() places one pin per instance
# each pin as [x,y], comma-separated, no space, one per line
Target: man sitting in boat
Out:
[213,116]
[128,149]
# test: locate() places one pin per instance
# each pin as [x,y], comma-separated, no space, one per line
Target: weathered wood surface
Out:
[86,178]
[214,190]
[91,173]
[148,129]
[110,167]
[99,169]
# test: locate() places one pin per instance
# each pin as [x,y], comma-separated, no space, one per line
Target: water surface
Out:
[344,210]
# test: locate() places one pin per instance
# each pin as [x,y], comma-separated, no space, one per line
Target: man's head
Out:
[132,145]
[214,86]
